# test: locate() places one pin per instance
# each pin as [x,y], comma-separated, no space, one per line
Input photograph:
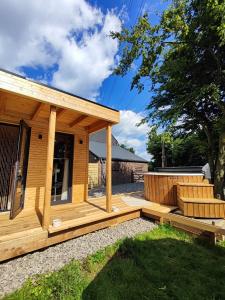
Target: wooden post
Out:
[49,167]
[87,164]
[109,168]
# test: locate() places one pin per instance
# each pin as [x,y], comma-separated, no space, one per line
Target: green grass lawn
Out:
[161,264]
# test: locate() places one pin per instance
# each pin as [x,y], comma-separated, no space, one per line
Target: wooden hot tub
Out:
[161,187]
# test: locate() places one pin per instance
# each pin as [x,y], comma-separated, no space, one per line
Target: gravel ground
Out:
[118,189]
[14,272]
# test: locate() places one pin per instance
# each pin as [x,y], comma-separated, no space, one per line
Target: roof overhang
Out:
[29,89]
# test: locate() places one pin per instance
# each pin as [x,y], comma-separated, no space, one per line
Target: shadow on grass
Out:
[164,268]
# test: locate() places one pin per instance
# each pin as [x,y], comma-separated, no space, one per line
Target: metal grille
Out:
[8,147]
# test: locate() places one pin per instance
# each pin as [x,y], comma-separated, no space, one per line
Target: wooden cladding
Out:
[202,208]
[2,105]
[194,190]
[163,188]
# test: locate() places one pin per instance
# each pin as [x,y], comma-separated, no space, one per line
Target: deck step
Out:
[202,207]
[195,190]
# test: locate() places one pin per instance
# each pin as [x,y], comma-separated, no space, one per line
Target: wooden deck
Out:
[88,212]
[25,224]
[25,234]
[95,210]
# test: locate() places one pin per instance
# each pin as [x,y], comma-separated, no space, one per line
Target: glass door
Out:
[9,135]
[62,169]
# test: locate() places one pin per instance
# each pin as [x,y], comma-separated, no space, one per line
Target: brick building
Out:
[126,166]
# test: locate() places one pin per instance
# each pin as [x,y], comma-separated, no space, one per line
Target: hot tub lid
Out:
[173,174]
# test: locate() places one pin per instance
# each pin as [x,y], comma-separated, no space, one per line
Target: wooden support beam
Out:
[78,120]
[109,168]
[49,167]
[96,126]
[37,111]
[60,113]
[86,171]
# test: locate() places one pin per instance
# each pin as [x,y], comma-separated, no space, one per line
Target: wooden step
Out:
[202,208]
[195,190]
[205,180]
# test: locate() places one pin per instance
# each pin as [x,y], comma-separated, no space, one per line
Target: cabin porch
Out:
[25,233]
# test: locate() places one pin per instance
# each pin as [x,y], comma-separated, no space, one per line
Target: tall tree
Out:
[179,150]
[184,57]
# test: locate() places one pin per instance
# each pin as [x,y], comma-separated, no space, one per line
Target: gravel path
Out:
[14,272]
[118,189]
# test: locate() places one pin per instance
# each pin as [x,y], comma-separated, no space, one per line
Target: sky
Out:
[66,44]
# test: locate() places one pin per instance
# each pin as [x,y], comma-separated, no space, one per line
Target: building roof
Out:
[33,95]
[118,153]
[100,136]
[56,89]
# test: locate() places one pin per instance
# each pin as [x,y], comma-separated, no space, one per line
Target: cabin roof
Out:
[27,89]
[56,89]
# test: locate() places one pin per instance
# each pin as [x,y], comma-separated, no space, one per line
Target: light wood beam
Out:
[37,111]
[109,168]
[49,167]
[86,171]
[96,126]
[60,113]
[78,120]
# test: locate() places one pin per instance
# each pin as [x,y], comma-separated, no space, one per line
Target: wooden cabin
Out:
[44,153]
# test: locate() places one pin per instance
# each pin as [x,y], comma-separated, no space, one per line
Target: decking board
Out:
[25,234]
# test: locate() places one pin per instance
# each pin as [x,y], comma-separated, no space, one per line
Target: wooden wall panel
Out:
[35,185]
[79,167]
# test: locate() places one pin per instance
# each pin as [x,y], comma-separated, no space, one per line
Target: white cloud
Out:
[126,132]
[71,34]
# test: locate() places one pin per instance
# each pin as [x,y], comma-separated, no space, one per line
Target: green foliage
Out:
[189,150]
[131,149]
[161,264]
[184,57]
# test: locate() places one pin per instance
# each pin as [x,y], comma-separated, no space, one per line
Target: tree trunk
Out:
[220,168]
[163,155]
[211,151]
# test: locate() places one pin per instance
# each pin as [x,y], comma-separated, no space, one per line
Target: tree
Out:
[131,149]
[179,150]
[184,57]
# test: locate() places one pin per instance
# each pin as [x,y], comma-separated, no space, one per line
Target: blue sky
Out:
[66,44]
